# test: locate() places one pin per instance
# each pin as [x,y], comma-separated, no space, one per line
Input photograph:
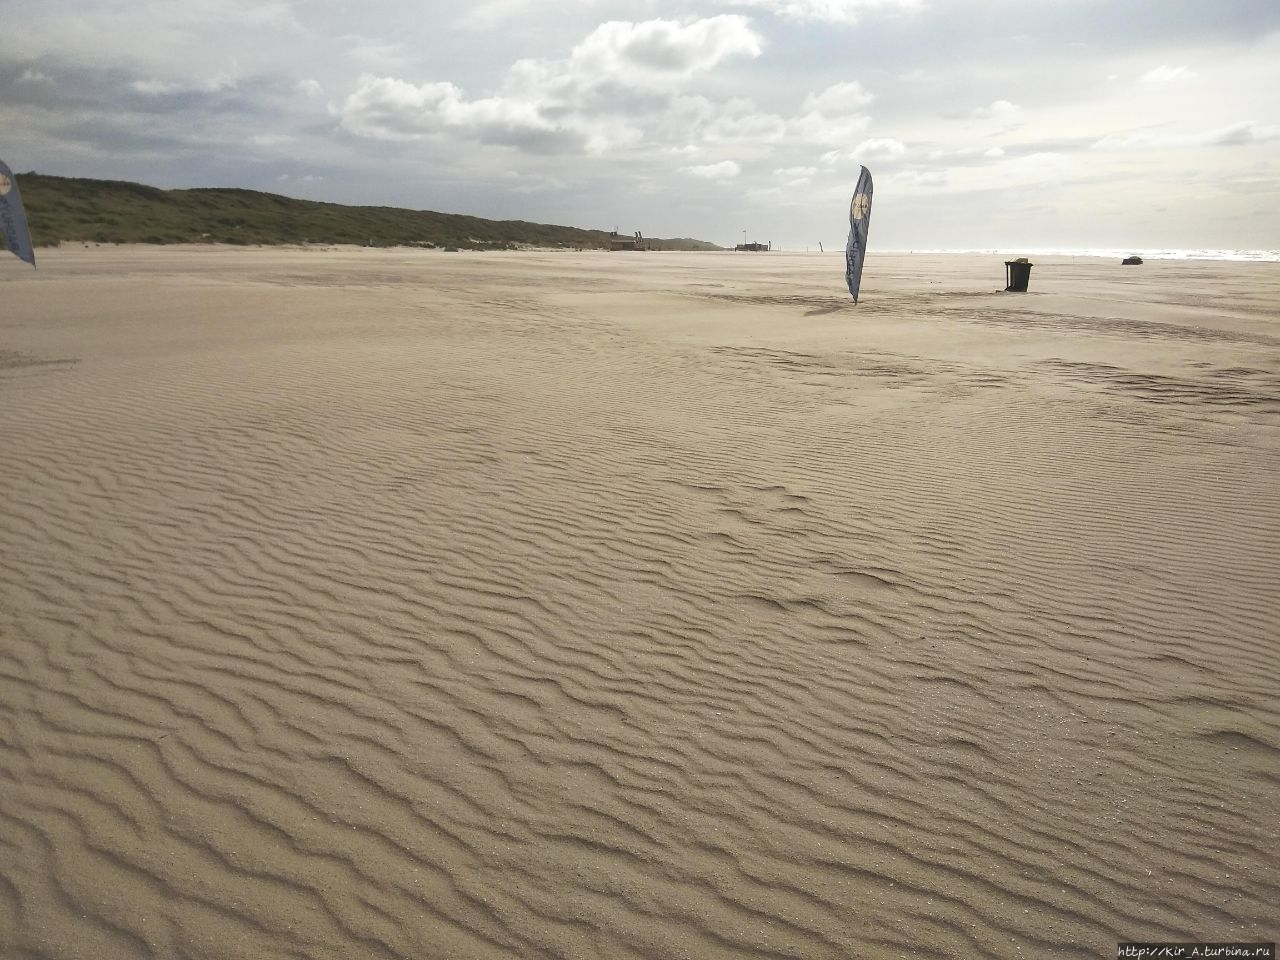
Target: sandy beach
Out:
[402,604]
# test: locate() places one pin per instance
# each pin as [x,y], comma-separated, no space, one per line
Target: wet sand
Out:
[385,603]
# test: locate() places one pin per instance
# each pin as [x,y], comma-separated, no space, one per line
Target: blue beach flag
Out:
[859,221]
[13,219]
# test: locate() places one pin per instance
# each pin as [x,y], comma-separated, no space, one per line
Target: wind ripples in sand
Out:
[374,615]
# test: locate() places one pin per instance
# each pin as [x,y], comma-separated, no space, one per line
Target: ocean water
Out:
[1266,256]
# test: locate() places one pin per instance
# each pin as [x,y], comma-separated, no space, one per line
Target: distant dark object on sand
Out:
[1018,274]
[1131,261]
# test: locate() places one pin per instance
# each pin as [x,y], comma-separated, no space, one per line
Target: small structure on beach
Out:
[754,247]
[626,243]
[1131,261]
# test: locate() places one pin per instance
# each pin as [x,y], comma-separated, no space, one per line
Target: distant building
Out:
[626,243]
[754,247]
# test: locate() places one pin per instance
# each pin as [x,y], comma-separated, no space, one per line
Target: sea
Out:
[1263,256]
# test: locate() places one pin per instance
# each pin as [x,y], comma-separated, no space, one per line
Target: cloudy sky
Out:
[987,123]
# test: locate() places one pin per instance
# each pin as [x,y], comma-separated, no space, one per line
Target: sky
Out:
[987,124]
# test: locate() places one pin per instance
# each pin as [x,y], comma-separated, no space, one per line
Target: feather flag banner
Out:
[859,222]
[13,219]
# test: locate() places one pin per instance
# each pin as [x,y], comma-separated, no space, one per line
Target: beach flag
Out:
[13,219]
[859,221]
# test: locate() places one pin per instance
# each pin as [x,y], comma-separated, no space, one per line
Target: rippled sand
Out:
[401,604]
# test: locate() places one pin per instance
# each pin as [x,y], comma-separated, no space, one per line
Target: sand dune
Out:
[401,604]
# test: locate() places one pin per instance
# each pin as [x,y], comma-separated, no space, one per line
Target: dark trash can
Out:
[1018,274]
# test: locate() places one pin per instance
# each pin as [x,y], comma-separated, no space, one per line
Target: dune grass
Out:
[72,209]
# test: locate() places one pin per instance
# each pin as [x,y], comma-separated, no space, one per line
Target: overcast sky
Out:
[987,123]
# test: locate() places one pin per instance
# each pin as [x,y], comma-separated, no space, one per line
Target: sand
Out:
[386,603]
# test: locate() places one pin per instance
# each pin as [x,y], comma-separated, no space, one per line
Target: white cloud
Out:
[374,54]
[34,76]
[1035,168]
[613,81]
[1002,110]
[227,80]
[869,150]
[663,48]
[1166,74]
[882,148]
[831,116]
[827,11]
[490,14]
[311,88]
[838,100]
[815,128]
[920,178]
[1237,134]
[795,176]
[724,170]
[384,108]
[736,121]
[995,153]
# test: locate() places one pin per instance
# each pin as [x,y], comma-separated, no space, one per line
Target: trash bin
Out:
[1018,273]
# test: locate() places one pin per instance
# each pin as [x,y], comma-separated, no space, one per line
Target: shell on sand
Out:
[363,603]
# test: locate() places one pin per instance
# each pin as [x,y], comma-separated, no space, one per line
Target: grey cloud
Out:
[536,140]
[116,90]
[613,97]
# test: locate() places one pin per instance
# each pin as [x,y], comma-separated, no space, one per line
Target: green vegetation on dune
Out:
[66,209]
